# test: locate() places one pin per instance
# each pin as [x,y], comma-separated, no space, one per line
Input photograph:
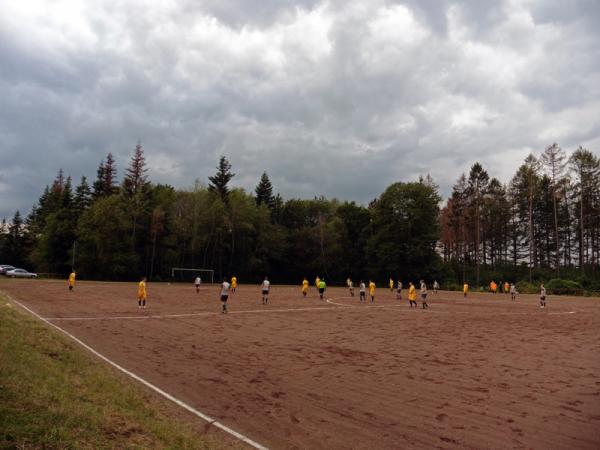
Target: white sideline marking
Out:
[200,414]
[329,300]
[173,316]
[279,310]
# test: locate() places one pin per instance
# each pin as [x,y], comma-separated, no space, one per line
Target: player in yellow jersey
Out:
[391,285]
[372,290]
[465,289]
[412,294]
[233,284]
[304,287]
[350,284]
[72,280]
[493,287]
[317,281]
[506,287]
[142,294]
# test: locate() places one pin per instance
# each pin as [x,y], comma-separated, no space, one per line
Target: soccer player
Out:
[197,283]
[233,284]
[361,291]
[399,290]
[436,287]
[424,295]
[142,294]
[322,287]
[350,287]
[513,292]
[465,289]
[372,290]
[72,281]
[224,295]
[265,290]
[391,285]
[493,287]
[412,294]
[542,296]
[317,281]
[507,287]
[304,287]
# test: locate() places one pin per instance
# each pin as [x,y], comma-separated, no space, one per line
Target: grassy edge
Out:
[54,394]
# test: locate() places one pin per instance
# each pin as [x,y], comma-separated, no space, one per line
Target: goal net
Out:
[186,275]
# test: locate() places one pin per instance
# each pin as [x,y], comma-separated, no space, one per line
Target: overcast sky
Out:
[338,98]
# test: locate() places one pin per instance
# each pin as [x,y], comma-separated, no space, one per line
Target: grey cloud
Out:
[342,117]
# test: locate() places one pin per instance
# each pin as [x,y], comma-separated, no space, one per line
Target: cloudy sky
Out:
[339,98]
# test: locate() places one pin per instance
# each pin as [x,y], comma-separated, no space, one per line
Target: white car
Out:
[5,268]
[20,273]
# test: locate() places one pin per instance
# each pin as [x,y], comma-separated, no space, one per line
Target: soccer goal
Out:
[186,275]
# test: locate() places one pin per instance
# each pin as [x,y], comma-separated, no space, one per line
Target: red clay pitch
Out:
[484,372]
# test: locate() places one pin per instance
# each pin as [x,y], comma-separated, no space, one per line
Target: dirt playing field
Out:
[484,372]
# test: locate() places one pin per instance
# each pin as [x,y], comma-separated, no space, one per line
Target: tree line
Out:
[544,223]
[119,231]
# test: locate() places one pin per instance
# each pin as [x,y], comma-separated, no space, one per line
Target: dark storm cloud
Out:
[330,98]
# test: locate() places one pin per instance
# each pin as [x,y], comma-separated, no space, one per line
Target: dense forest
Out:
[544,223]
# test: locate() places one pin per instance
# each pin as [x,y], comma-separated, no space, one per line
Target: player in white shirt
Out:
[362,291]
[197,282]
[224,294]
[542,296]
[265,290]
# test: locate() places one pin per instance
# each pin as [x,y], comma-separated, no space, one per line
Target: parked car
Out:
[6,267]
[20,273]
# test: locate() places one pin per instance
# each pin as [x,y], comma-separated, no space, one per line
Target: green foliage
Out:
[564,287]
[524,287]
[404,232]
[145,229]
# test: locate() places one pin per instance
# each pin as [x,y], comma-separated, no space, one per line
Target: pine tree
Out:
[477,185]
[264,192]
[105,178]
[135,179]
[98,185]
[15,241]
[554,162]
[218,182]
[83,196]
[586,170]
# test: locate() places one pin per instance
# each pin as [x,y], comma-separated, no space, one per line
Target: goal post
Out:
[188,275]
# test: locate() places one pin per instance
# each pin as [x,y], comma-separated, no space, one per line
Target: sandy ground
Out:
[484,372]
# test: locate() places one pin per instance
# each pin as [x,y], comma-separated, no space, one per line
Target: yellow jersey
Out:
[371,288]
[72,279]
[142,290]
[412,293]
[466,288]
[391,284]
[305,285]
[233,282]
[317,281]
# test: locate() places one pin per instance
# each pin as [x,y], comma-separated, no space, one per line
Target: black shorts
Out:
[543,298]
[424,296]
[265,292]
[224,298]
[362,293]
[321,290]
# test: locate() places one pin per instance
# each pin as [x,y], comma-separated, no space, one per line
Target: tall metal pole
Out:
[73,260]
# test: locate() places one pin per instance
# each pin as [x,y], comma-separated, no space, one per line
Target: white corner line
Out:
[184,405]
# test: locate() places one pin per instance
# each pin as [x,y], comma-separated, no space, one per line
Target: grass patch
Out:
[53,394]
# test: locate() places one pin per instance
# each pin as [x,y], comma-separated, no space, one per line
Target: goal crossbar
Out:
[209,272]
